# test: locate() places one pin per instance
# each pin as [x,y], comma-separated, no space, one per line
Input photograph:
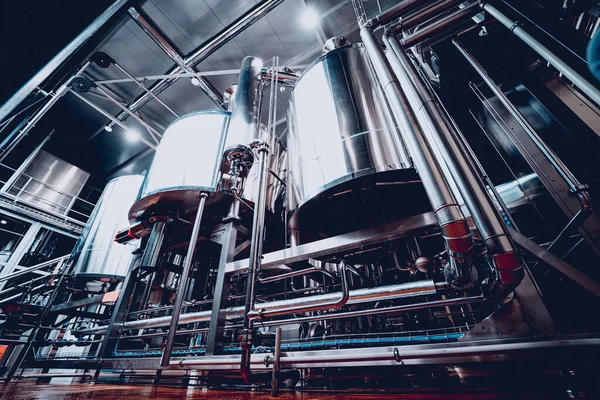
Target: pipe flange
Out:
[514,26]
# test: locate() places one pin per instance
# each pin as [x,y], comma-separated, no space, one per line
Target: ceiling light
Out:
[3,222]
[108,128]
[132,136]
[195,81]
[310,18]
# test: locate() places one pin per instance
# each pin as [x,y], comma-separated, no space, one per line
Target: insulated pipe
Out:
[453,224]
[497,10]
[183,283]
[221,38]
[506,261]
[358,296]
[448,21]
[34,119]
[393,13]
[377,311]
[421,16]
[243,123]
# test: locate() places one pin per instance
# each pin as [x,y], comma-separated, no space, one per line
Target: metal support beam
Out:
[227,239]
[150,27]
[209,47]
[183,283]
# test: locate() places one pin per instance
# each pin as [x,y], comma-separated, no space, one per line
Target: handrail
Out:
[34,268]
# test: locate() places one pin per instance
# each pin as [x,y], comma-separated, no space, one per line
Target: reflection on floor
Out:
[29,391]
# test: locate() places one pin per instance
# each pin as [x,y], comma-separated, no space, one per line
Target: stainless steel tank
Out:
[342,139]
[96,255]
[188,161]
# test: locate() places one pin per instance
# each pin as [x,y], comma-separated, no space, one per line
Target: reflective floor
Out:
[30,391]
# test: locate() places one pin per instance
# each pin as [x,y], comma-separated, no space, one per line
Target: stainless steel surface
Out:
[184,282]
[522,31]
[188,161]
[245,113]
[340,127]
[358,296]
[96,254]
[48,183]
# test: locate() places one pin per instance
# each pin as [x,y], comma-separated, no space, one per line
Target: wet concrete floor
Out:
[30,391]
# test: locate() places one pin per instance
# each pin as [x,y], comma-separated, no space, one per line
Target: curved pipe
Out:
[326,304]
[357,296]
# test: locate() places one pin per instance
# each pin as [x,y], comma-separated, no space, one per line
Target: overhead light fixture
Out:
[3,222]
[195,81]
[132,136]
[309,18]
[108,128]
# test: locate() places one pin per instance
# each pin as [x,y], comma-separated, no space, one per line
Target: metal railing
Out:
[75,209]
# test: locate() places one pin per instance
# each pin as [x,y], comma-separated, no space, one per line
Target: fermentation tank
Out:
[188,161]
[96,254]
[343,140]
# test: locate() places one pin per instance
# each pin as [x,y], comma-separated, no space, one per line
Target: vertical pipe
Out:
[454,226]
[40,113]
[507,265]
[152,251]
[276,363]
[256,244]
[183,283]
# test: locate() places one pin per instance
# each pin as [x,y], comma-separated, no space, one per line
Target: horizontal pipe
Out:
[389,355]
[378,311]
[358,296]
[292,274]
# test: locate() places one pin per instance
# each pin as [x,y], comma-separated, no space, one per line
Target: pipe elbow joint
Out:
[508,270]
